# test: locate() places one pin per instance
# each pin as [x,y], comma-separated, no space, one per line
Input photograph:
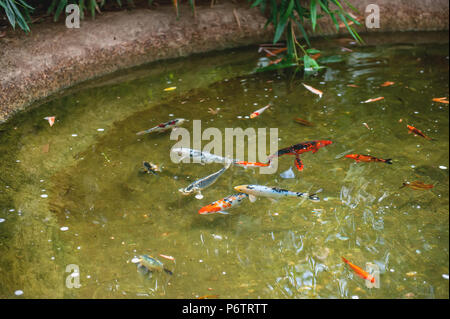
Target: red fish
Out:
[412,129]
[50,119]
[300,148]
[359,271]
[367,158]
[223,204]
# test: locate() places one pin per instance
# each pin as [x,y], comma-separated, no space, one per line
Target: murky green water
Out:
[88,165]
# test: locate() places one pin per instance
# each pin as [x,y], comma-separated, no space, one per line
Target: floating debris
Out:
[303,122]
[288,173]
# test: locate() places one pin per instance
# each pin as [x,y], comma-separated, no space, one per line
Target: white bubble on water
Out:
[2,220]
[100,129]
[442,167]
[74,135]
[64,228]
[18,292]
[44,195]
[445,276]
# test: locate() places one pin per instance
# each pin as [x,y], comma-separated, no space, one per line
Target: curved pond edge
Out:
[54,57]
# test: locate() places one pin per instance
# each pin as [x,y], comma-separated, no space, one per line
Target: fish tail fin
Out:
[388,161]
[314,198]
[143,132]
[344,260]
[168,271]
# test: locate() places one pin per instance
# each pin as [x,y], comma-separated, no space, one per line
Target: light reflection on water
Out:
[111,213]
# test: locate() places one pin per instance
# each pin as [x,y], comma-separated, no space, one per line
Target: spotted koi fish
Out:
[258,112]
[367,158]
[250,164]
[163,126]
[204,182]
[50,119]
[223,204]
[412,129]
[313,90]
[152,264]
[300,148]
[198,156]
[151,168]
[271,192]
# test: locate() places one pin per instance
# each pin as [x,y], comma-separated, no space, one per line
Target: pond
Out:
[74,193]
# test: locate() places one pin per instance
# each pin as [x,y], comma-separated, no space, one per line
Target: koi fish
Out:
[258,112]
[300,148]
[223,204]
[417,185]
[163,126]
[204,182]
[151,264]
[199,156]
[303,122]
[251,164]
[50,119]
[441,100]
[275,52]
[313,90]
[367,158]
[374,100]
[387,83]
[271,192]
[353,85]
[359,271]
[275,61]
[170,88]
[412,129]
[151,168]
[167,257]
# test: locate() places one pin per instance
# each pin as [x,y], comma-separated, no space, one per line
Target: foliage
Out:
[17,11]
[287,15]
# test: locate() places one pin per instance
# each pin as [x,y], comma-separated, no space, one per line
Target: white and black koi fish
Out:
[202,157]
[204,182]
[151,168]
[271,192]
[163,126]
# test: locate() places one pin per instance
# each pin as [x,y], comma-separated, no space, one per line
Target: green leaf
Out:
[285,63]
[257,2]
[305,36]
[330,59]
[310,64]
[10,14]
[312,51]
[62,4]
[313,14]
[52,6]
[20,20]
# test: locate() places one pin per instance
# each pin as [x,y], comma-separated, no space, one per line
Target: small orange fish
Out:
[441,100]
[170,88]
[258,112]
[367,158]
[359,271]
[313,90]
[315,56]
[412,129]
[275,52]
[50,119]
[367,126]
[275,61]
[167,257]
[374,100]
[208,296]
[387,83]
[416,185]
[353,85]
[251,164]
[303,122]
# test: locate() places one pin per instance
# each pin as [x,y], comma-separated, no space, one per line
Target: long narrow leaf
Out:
[313,14]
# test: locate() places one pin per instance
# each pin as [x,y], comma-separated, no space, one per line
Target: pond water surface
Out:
[74,194]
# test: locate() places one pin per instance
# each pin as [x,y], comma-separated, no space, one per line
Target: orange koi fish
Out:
[387,83]
[353,85]
[416,185]
[50,119]
[412,129]
[251,164]
[441,100]
[223,204]
[275,61]
[275,52]
[367,158]
[313,90]
[167,257]
[258,112]
[359,271]
[374,100]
